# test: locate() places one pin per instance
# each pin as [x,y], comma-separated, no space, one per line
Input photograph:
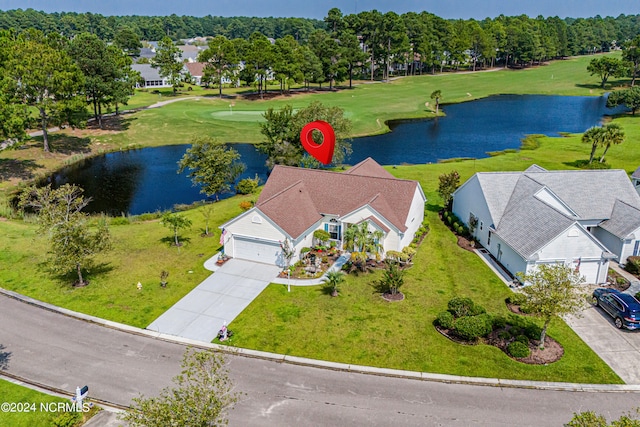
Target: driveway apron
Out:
[221,297]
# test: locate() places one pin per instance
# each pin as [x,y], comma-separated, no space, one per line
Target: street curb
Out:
[335,366]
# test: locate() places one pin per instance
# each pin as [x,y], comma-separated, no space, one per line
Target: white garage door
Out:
[257,250]
[589,269]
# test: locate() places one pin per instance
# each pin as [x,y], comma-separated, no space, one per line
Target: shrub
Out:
[637,295]
[445,320]
[518,349]
[461,307]
[533,331]
[248,185]
[409,251]
[633,265]
[396,256]
[245,205]
[66,419]
[119,220]
[523,339]
[517,298]
[472,327]
[304,251]
[504,335]
[321,235]
[621,281]
[499,322]
[515,331]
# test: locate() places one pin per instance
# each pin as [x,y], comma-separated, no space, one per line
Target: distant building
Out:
[150,76]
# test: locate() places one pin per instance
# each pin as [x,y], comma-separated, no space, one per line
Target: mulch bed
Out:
[516,309]
[466,244]
[552,352]
[393,297]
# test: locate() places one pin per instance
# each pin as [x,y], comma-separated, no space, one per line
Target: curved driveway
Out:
[64,352]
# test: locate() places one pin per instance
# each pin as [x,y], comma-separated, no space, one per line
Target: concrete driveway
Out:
[619,348]
[221,297]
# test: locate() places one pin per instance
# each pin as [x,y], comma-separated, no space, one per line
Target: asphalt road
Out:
[63,352]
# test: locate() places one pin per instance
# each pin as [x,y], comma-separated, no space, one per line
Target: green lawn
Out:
[141,252]
[35,417]
[368,105]
[356,327]
[359,327]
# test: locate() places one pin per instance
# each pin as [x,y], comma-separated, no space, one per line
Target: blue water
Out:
[472,129]
[146,180]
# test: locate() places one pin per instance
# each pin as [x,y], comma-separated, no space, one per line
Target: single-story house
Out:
[581,218]
[189,53]
[150,76]
[196,71]
[295,202]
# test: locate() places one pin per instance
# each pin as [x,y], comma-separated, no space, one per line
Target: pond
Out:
[146,180]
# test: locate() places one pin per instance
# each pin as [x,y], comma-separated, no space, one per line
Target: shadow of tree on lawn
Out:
[14,168]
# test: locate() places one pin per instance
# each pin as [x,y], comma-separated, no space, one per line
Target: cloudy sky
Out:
[465,9]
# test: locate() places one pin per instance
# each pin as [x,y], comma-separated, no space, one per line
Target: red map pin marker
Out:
[321,152]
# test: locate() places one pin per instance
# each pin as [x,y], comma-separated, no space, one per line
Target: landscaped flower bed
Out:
[467,323]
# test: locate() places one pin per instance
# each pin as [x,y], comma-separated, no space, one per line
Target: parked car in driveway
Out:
[624,308]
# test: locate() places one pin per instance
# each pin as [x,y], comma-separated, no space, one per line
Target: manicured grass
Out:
[141,251]
[359,327]
[368,105]
[13,393]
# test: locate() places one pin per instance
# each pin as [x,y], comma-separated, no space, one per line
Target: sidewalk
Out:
[635,283]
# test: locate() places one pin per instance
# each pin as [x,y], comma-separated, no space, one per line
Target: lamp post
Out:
[288,280]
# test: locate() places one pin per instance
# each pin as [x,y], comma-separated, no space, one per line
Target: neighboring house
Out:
[150,76]
[196,71]
[580,218]
[189,53]
[295,202]
[635,179]
[146,53]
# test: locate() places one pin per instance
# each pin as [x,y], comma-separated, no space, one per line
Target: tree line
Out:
[50,80]
[430,41]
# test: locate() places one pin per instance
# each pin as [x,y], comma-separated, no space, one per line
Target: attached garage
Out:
[265,251]
[594,271]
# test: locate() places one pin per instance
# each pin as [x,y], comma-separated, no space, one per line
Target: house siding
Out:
[470,199]
[576,244]
[510,259]
[613,243]
[246,227]
[573,243]
[414,220]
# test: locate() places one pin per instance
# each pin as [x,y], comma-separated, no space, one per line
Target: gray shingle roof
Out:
[497,188]
[636,174]
[625,219]
[295,198]
[147,72]
[527,223]
[591,193]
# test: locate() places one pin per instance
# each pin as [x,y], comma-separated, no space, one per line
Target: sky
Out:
[448,9]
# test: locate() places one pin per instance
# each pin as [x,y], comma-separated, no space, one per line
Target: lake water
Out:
[146,180]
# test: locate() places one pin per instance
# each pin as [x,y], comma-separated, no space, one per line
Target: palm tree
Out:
[437,94]
[593,136]
[359,237]
[613,134]
[333,279]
